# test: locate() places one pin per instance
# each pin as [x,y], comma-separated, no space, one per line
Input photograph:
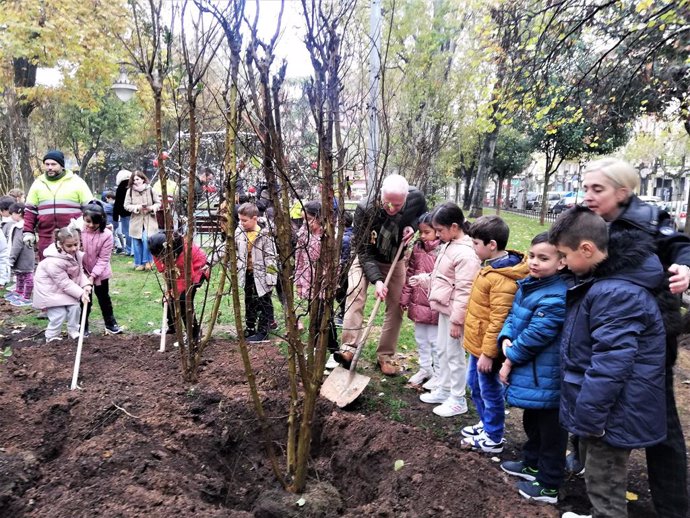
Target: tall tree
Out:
[513,154]
[423,47]
[46,33]
[88,130]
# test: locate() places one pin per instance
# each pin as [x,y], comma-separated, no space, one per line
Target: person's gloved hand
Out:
[29,239]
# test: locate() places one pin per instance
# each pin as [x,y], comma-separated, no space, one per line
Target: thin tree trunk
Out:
[486,157]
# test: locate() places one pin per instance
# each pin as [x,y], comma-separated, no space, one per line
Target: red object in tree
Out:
[165,155]
[314,165]
[251,190]
[155,162]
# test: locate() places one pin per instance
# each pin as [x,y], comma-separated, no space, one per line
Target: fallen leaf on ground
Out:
[630,496]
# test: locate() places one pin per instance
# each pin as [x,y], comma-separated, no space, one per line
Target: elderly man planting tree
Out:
[52,201]
[380,225]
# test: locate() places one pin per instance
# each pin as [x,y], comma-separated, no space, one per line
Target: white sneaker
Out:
[419,377]
[451,407]
[54,339]
[331,363]
[473,430]
[483,443]
[435,396]
[433,383]
[571,514]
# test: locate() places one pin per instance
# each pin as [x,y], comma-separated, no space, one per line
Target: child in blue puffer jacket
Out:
[530,341]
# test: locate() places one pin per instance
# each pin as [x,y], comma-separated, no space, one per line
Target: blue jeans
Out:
[124,229]
[141,250]
[487,395]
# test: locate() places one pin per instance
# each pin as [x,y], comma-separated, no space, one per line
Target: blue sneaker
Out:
[535,491]
[519,469]
[11,296]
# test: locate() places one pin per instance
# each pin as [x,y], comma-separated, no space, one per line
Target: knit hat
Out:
[56,155]
[122,176]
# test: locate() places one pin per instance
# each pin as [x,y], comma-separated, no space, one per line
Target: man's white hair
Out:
[395,184]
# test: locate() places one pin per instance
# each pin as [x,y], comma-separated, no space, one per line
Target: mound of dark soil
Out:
[135,440]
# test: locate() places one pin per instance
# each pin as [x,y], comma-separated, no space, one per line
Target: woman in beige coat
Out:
[143,203]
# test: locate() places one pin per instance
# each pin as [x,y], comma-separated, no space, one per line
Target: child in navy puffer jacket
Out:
[416,301]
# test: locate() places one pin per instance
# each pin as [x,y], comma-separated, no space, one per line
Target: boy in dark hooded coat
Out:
[612,351]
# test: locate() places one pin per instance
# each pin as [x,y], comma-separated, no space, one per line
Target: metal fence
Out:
[532,214]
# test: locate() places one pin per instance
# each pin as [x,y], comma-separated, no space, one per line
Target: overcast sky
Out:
[290,45]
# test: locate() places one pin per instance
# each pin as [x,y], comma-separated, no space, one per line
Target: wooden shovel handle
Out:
[164,325]
[80,343]
[365,334]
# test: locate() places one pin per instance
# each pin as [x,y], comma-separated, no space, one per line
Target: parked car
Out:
[552,198]
[568,201]
[530,200]
[522,200]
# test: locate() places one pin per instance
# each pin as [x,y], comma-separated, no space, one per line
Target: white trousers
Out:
[451,359]
[57,315]
[425,335]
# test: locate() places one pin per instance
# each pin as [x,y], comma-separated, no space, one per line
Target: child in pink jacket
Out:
[415,299]
[97,242]
[60,284]
[307,253]
[449,286]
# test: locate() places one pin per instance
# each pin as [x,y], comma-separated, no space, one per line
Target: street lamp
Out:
[123,87]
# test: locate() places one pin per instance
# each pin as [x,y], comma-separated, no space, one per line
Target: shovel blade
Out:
[343,387]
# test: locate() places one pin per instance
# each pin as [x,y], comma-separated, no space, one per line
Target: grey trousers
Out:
[57,315]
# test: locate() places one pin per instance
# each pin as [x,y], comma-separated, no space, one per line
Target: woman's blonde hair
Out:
[619,172]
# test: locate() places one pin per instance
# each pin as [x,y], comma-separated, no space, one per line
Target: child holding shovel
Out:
[199,272]
[97,242]
[60,284]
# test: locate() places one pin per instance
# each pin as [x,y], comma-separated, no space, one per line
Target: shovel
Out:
[164,325]
[343,386]
[80,343]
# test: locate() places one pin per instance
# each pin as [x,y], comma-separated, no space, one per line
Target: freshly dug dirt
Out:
[136,440]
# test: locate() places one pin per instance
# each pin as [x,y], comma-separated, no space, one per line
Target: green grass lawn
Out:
[137,296]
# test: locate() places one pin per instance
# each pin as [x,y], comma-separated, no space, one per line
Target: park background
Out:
[489,104]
